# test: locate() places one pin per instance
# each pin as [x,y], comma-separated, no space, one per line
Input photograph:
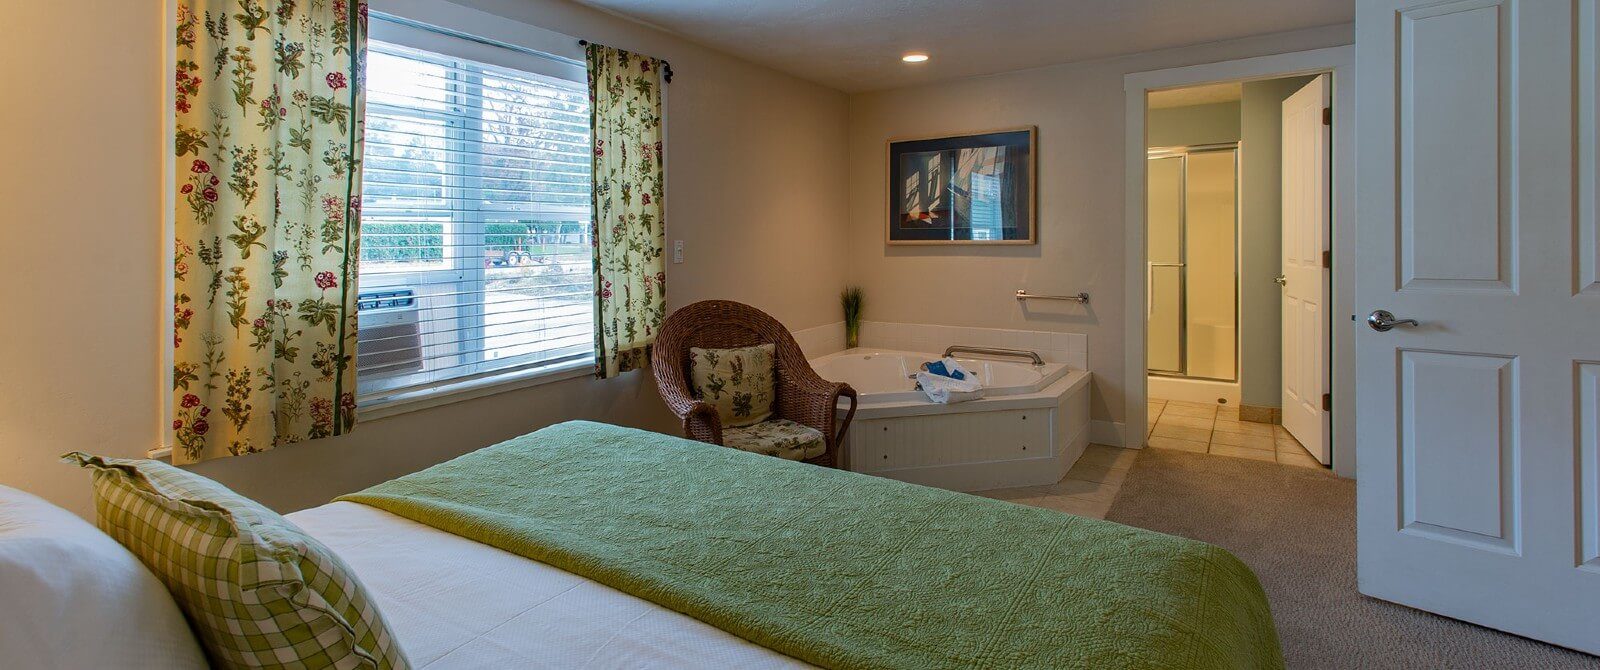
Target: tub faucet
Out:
[994,351]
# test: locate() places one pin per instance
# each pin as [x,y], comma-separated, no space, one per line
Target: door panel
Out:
[1476,428]
[1457,447]
[1587,241]
[1452,232]
[1588,448]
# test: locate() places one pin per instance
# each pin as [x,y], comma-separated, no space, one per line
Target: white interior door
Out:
[1306,189]
[1477,428]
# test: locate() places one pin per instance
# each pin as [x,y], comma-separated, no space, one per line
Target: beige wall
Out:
[758,169]
[755,189]
[1261,240]
[1078,109]
[1192,124]
[79,271]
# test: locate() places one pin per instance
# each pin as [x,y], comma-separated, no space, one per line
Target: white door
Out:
[1306,142]
[1478,427]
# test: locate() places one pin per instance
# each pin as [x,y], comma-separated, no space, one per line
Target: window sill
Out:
[449,394]
[453,393]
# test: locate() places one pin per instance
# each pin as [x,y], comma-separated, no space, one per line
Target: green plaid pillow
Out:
[259,591]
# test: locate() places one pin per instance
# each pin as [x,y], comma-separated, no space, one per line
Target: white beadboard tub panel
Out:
[978,445]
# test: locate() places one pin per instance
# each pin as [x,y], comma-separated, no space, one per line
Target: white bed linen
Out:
[456,603]
[71,597]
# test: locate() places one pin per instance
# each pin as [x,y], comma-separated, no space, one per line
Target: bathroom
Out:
[1224,346]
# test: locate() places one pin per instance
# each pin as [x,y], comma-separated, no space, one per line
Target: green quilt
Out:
[844,570]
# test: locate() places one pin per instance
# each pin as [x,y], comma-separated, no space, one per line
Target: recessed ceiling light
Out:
[914,58]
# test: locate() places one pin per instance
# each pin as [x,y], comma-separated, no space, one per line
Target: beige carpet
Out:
[1296,528]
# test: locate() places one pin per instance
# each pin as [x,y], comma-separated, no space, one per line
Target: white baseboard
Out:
[1107,432]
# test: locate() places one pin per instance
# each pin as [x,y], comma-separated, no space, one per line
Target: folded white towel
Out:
[942,389]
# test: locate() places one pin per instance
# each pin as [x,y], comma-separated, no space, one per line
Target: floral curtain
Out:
[628,233]
[269,114]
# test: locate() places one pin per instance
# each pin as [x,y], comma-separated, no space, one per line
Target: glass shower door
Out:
[1210,292]
[1165,304]
[1191,316]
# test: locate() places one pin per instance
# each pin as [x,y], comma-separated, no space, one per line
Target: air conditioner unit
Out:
[389,337]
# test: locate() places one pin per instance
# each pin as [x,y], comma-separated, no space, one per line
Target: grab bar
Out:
[1023,294]
[994,351]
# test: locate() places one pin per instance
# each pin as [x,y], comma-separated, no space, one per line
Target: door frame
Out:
[1340,63]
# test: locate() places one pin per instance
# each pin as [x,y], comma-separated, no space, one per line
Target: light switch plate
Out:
[677,251]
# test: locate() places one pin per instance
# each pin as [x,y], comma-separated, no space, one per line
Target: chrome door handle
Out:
[1280,280]
[1382,321]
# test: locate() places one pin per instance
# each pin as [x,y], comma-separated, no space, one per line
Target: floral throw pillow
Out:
[738,382]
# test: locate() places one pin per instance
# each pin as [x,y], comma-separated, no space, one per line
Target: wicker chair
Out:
[801,396]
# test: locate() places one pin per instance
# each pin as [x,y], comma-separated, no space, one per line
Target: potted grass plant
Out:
[850,300]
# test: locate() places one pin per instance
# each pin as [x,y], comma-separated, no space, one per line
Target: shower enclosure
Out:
[1192,308]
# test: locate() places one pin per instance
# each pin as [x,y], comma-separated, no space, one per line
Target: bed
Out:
[585,545]
[588,545]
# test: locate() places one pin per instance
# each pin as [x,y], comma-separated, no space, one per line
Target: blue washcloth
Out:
[938,368]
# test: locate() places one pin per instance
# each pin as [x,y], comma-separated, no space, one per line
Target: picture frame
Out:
[977,188]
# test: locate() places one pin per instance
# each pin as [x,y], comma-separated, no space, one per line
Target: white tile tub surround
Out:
[821,340]
[1069,348]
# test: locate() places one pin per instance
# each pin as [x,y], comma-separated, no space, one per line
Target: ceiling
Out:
[855,45]
[1196,95]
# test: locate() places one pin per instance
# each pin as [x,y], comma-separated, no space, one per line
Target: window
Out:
[475,251]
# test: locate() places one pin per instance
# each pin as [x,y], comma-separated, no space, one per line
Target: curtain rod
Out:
[666,68]
[385,16]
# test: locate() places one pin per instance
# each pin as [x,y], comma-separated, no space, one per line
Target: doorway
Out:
[1199,349]
[1230,199]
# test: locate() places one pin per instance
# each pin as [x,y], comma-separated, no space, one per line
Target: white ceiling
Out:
[855,45]
[1196,95]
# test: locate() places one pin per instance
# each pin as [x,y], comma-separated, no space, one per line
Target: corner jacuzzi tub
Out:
[1027,430]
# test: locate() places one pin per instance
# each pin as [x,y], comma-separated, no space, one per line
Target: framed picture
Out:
[962,189]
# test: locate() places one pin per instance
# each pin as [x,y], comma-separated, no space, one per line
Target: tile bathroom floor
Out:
[1205,428]
[1094,480]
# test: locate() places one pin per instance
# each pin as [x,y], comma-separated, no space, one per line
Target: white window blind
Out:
[475,249]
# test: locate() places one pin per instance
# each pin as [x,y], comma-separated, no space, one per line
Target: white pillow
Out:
[74,598]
